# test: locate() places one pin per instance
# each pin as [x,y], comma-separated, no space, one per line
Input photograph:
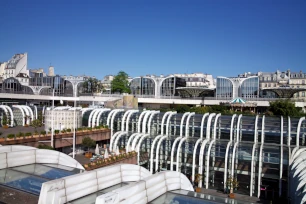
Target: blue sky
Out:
[97,38]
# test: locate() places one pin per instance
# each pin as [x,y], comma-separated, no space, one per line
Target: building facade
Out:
[242,86]
[154,86]
[62,118]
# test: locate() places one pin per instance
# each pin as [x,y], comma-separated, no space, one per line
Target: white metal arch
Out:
[168,122]
[139,146]
[196,146]
[113,118]
[182,140]
[187,124]
[27,114]
[94,116]
[161,140]
[28,111]
[84,110]
[6,110]
[207,162]
[163,121]
[123,119]
[117,137]
[253,155]
[260,155]
[11,114]
[110,116]
[100,114]
[22,112]
[157,151]
[128,148]
[128,119]
[114,136]
[202,124]
[298,130]
[238,128]
[152,151]
[227,149]
[136,138]
[142,114]
[215,125]
[91,115]
[144,122]
[200,167]
[226,161]
[209,125]
[150,120]
[177,139]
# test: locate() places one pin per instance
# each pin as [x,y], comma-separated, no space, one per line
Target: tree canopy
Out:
[92,85]
[88,142]
[284,108]
[120,83]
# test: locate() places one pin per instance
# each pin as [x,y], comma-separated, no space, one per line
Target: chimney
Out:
[51,71]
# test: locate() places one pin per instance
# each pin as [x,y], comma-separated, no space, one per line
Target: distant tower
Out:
[51,71]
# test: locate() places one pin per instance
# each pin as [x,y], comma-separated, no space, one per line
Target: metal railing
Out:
[151,96]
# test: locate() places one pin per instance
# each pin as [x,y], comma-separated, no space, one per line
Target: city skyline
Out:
[140,38]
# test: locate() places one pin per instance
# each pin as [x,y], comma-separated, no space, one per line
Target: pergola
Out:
[284,91]
[194,91]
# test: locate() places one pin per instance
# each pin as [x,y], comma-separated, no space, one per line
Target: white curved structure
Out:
[147,190]
[84,110]
[15,148]
[22,156]
[68,188]
[7,109]
[22,112]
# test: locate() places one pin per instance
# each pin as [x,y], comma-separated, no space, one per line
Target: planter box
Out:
[88,155]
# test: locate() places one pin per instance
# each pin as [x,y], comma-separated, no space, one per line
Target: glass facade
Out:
[169,85]
[12,85]
[249,88]
[224,88]
[61,87]
[142,86]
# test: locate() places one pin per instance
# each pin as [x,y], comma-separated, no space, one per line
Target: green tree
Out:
[92,85]
[284,108]
[120,83]
[36,123]
[88,142]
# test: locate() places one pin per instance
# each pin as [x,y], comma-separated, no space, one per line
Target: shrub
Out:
[28,134]
[43,132]
[20,134]
[11,136]
[56,131]
[68,130]
[43,146]
[80,129]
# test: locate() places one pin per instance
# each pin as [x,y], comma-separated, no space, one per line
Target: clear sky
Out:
[97,38]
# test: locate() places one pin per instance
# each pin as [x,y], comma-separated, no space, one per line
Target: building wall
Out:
[198,80]
[63,119]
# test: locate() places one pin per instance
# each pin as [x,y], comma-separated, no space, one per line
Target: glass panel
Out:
[21,181]
[45,171]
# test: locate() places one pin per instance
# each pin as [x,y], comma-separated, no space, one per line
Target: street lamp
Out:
[73,141]
[52,122]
